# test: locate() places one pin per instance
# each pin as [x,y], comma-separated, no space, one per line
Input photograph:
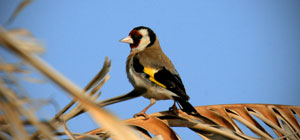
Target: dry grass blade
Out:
[99,115]
[68,132]
[105,68]
[10,88]
[76,110]
[24,38]
[11,97]
[20,7]
[11,79]
[20,32]
[11,68]
[98,87]
[12,118]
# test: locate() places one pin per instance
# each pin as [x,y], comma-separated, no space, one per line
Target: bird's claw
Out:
[173,109]
[143,114]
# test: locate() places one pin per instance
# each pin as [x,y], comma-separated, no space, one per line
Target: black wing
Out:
[172,82]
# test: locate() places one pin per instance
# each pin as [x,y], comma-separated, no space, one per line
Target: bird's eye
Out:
[136,37]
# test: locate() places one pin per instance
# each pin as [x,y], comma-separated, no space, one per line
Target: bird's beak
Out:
[127,39]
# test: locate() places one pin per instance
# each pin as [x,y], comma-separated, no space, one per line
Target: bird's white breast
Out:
[153,90]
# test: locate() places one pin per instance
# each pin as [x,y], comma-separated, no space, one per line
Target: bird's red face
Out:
[136,36]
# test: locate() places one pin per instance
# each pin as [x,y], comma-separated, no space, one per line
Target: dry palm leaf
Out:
[272,115]
[152,125]
[280,118]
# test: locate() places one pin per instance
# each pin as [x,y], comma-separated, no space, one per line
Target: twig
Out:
[78,110]
[99,76]
[20,7]
[105,68]
[68,132]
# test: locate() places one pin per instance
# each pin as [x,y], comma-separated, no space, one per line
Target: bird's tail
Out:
[186,107]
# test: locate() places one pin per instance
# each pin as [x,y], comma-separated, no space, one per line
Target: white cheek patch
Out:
[144,43]
[145,40]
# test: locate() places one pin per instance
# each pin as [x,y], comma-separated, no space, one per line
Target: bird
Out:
[149,68]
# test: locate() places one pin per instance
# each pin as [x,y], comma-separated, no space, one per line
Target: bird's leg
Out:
[173,108]
[143,112]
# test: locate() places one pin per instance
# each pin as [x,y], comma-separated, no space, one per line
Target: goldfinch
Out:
[148,67]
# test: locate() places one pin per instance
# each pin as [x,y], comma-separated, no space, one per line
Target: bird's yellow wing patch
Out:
[151,72]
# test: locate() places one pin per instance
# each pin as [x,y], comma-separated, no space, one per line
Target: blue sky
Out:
[226,52]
